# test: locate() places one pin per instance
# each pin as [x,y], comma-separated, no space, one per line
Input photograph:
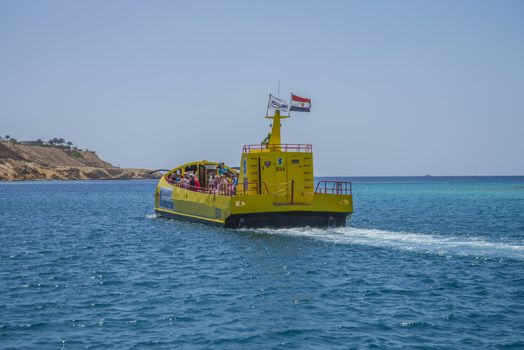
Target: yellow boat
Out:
[275,188]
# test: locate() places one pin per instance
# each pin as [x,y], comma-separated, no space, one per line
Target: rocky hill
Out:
[25,162]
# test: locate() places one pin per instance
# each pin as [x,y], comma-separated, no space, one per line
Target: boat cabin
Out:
[284,171]
[204,171]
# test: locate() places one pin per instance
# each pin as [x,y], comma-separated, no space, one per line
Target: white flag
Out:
[277,103]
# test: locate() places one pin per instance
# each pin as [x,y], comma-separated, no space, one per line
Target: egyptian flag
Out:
[300,104]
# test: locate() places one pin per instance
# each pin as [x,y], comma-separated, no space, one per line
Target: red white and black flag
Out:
[300,104]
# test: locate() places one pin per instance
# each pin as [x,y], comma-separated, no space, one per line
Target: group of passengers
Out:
[224,182]
[188,180]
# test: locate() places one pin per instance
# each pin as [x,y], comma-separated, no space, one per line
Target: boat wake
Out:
[417,242]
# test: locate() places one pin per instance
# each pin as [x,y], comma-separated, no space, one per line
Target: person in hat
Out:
[184,181]
[193,181]
[221,168]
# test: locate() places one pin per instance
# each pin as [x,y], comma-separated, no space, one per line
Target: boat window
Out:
[191,168]
[202,175]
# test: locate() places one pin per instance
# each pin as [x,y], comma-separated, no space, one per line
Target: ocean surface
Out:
[425,263]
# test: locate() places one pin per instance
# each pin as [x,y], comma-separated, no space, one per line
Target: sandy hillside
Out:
[23,162]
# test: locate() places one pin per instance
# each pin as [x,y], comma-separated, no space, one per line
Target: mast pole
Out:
[275,131]
[290,101]
[275,139]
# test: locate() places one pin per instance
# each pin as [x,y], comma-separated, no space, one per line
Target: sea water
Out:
[424,263]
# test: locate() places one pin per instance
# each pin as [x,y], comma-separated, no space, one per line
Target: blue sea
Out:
[425,263]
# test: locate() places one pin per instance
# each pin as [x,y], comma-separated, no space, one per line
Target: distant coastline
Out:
[58,160]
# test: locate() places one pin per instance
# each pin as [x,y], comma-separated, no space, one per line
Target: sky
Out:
[397,87]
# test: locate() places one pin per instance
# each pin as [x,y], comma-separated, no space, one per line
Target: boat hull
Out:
[185,217]
[287,219]
[251,210]
[268,219]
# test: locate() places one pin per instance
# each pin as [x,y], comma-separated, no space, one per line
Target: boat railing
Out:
[191,188]
[334,187]
[259,187]
[225,189]
[285,147]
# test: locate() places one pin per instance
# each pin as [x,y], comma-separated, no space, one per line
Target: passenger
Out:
[235,184]
[229,184]
[197,183]
[184,181]
[221,168]
[193,182]
[222,187]
[213,185]
[210,181]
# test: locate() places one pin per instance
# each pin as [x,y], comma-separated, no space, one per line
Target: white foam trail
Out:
[151,216]
[418,242]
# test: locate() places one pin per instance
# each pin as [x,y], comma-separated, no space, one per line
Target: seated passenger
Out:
[184,181]
[215,185]
[193,182]
[197,183]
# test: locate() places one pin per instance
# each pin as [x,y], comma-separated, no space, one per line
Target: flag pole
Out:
[290,101]
[268,102]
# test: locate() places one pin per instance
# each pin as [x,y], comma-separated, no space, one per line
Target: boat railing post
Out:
[292,190]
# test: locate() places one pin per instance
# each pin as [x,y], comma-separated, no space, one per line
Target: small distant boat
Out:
[273,187]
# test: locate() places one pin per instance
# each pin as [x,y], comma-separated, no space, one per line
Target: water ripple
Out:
[86,265]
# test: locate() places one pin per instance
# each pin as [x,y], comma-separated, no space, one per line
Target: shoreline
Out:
[23,162]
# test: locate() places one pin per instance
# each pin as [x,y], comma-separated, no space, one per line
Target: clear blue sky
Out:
[398,87]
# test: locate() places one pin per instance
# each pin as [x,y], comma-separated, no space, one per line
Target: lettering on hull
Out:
[166,198]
